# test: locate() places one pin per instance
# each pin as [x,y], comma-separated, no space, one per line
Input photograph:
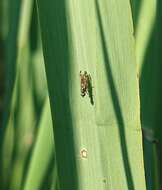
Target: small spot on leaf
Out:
[104,180]
[83,153]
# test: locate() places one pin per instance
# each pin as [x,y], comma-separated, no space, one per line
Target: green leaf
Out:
[148,53]
[98,146]
[144,29]
[43,151]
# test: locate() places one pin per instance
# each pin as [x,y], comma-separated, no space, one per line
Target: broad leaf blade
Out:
[95,143]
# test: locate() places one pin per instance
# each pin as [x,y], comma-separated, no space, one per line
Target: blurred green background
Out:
[27,158]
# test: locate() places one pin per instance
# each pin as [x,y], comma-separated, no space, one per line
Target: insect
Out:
[84,83]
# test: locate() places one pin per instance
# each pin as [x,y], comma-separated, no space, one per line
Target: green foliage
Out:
[148,53]
[96,37]
[43,152]
[59,139]
[25,102]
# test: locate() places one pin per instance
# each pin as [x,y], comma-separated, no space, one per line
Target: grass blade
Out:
[43,151]
[96,37]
